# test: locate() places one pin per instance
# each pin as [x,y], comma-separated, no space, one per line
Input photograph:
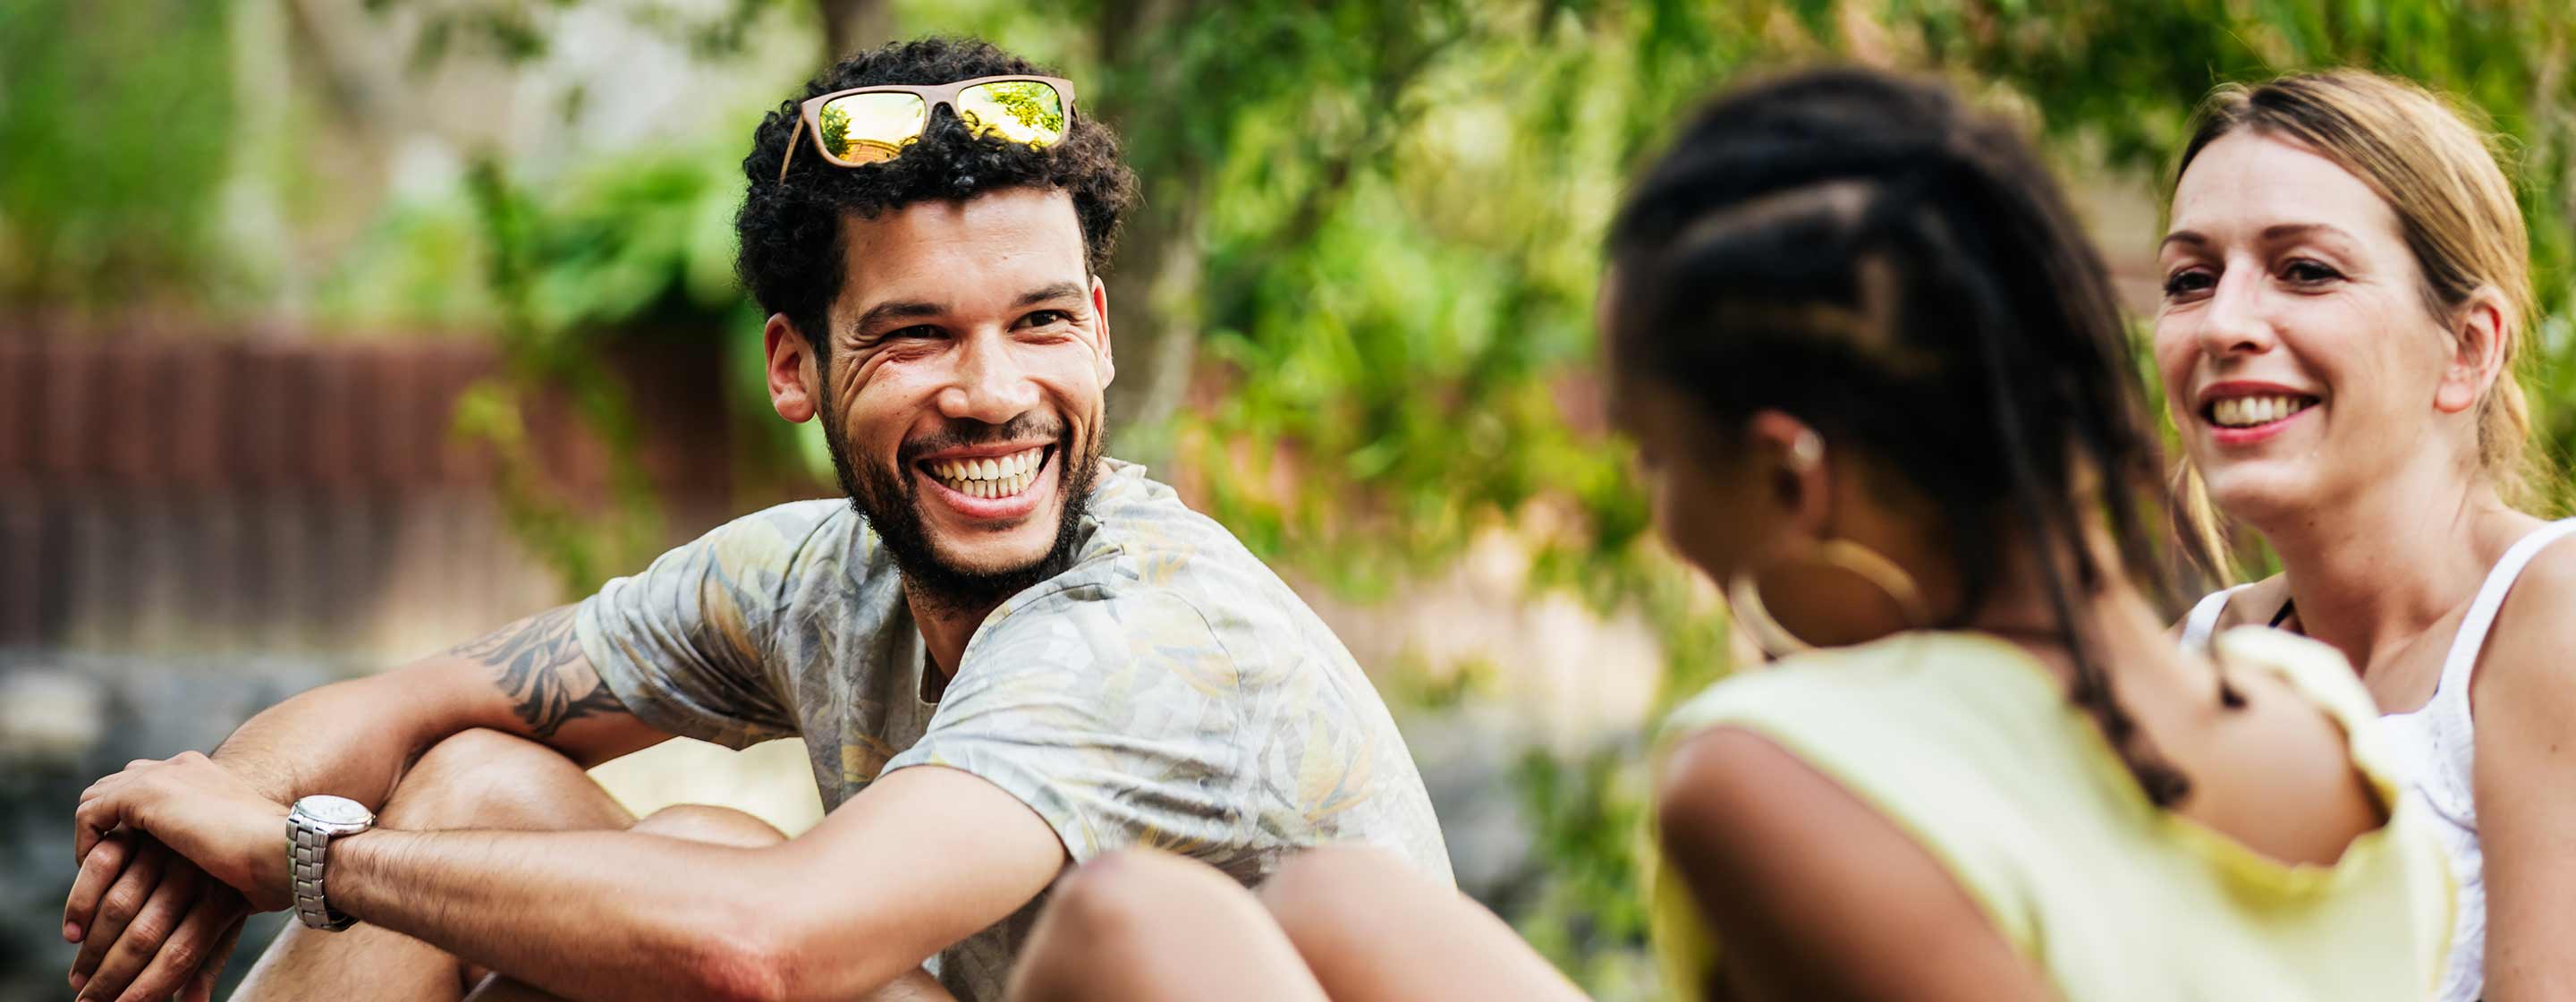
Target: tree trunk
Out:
[1154,310]
[1155,327]
[851,25]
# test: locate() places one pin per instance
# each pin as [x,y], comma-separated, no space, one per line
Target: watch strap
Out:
[308,847]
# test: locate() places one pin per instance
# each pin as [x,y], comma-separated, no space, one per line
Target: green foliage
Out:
[1589,917]
[1399,284]
[528,252]
[560,274]
[522,31]
[116,126]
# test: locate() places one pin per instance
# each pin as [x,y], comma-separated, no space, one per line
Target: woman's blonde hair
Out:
[2453,203]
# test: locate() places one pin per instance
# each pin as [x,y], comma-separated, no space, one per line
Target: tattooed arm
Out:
[355,738]
[538,663]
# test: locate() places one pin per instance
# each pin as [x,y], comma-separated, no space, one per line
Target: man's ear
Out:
[1100,317]
[2478,342]
[795,384]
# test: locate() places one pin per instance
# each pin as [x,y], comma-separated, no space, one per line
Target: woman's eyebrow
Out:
[2279,232]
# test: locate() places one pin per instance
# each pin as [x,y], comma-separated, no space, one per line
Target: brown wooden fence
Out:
[213,493]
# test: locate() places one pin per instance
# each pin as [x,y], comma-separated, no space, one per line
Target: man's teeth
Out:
[2246,412]
[991,477]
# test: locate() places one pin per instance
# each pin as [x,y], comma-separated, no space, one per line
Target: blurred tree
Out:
[116,123]
[851,25]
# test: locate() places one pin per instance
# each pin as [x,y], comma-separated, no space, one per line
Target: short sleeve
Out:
[1114,717]
[683,644]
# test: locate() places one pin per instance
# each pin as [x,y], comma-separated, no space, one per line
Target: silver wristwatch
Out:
[310,827]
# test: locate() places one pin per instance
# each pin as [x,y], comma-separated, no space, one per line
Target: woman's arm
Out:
[2524,699]
[1814,895]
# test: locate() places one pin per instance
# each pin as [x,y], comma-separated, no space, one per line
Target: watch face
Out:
[334,810]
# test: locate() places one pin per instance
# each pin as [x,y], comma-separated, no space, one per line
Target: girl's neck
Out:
[2117,616]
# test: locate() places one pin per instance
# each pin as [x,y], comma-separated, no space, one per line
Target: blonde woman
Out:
[2346,291]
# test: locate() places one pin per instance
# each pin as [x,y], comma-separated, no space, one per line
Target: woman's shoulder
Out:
[2543,595]
[2525,654]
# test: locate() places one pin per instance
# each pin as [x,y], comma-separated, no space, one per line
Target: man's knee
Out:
[489,780]
[709,823]
[1118,899]
[1101,917]
[1312,885]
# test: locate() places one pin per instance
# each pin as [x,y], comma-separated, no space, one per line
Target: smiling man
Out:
[1006,652]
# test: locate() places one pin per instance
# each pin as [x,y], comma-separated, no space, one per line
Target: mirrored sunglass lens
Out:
[866,128]
[1025,111]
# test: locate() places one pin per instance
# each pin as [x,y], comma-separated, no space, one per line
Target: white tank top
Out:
[2437,751]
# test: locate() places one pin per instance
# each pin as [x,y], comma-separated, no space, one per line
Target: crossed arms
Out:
[924,857]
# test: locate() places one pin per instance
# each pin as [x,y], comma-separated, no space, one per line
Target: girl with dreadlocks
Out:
[1883,391]
[1881,388]
[2347,289]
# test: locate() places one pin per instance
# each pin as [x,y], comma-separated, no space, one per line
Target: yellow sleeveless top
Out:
[1969,745]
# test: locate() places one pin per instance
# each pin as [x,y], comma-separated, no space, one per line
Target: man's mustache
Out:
[969,433]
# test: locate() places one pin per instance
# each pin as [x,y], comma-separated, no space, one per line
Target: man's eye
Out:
[1046,318]
[915,331]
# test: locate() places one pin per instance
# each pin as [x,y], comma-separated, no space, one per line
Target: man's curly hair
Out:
[790,231]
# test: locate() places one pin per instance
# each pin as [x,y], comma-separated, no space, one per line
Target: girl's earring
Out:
[1806,450]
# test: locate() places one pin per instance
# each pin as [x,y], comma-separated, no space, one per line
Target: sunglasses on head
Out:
[865,125]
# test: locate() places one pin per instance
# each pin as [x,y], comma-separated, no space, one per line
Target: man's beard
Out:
[890,501]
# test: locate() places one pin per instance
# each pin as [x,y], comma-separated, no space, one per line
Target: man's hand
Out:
[202,812]
[143,889]
[149,922]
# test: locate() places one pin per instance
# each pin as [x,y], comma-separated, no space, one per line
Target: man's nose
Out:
[990,385]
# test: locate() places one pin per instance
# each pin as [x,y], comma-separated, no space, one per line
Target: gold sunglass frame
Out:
[809,119]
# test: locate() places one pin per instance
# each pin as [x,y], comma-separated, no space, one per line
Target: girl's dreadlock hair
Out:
[1861,252]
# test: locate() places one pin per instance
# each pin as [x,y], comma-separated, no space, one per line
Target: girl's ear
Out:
[1789,456]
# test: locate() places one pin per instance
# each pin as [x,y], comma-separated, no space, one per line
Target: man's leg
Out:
[475,780]
[1143,925]
[1371,928]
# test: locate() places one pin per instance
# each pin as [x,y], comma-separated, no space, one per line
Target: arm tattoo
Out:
[539,664]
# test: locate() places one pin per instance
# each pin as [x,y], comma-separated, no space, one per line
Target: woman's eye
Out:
[2309,272]
[2184,283]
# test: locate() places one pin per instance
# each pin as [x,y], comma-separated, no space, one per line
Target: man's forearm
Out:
[349,738]
[600,914]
